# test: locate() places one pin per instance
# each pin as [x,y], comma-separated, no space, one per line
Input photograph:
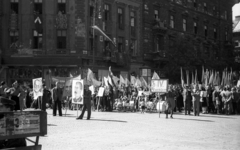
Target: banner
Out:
[238,83]
[77,91]
[155,76]
[37,88]
[159,86]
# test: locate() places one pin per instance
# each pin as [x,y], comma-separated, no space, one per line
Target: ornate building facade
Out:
[43,38]
[188,34]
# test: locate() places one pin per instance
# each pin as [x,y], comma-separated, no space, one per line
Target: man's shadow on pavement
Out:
[109,120]
[193,119]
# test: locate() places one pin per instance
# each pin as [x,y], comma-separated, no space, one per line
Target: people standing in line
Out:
[45,98]
[179,99]
[57,99]
[235,98]
[86,103]
[196,100]
[187,97]
[203,100]
[217,100]
[227,99]
[170,95]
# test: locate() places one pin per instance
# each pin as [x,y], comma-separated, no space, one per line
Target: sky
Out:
[236,10]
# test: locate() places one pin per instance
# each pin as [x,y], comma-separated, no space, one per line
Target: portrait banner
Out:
[77,91]
[37,88]
[100,92]
[159,86]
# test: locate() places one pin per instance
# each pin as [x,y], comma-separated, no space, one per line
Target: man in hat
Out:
[86,103]
[57,99]
[7,105]
[187,97]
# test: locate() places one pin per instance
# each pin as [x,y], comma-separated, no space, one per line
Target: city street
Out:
[126,130]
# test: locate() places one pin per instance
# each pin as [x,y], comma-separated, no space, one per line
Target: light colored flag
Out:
[187,74]
[155,76]
[143,82]
[196,77]
[238,83]
[193,80]
[203,75]
[90,75]
[133,80]
[105,81]
[110,80]
[182,78]
[127,82]
[138,83]
[211,78]
[122,81]
[104,34]
[115,80]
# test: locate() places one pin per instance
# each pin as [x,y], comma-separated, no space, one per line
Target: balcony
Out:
[26,52]
[159,26]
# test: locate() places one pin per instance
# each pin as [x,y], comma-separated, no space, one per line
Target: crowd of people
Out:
[190,98]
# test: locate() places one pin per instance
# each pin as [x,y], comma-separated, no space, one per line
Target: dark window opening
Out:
[62,6]
[38,6]
[14,6]
[61,39]
[37,39]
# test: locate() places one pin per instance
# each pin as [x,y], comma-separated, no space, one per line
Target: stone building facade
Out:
[43,38]
[200,28]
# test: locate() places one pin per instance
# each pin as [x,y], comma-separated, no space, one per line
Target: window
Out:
[61,39]
[37,39]
[13,39]
[14,6]
[225,15]
[62,6]
[195,5]
[120,18]
[120,44]
[184,25]
[205,7]
[215,33]
[156,14]
[106,12]
[159,43]
[132,19]
[133,47]
[226,36]
[171,21]
[195,28]
[91,11]
[38,6]
[205,31]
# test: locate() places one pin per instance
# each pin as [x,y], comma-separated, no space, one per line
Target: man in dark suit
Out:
[86,103]
[57,99]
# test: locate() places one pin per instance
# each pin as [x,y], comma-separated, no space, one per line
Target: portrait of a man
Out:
[37,88]
[77,91]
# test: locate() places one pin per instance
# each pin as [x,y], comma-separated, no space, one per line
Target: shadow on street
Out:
[108,120]
[193,119]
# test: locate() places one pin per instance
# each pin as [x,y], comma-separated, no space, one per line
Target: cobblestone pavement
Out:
[127,130]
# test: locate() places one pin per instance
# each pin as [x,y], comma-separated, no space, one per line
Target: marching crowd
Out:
[195,98]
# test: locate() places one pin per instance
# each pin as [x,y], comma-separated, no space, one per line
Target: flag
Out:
[238,83]
[193,80]
[211,78]
[155,76]
[105,81]
[138,83]
[223,76]
[96,83]
[110,71]
[122,81]
[143,82]
[182,78]
[90,75]
[203,75]
[127,82]
[115,80]
[133,80]
[196,77]
[187,74]
[110,80]
[104,34]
